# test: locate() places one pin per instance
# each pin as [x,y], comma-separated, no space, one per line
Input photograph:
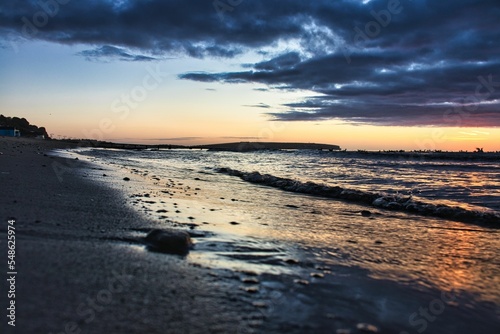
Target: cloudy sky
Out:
[411,74]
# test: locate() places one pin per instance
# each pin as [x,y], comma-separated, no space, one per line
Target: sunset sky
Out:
[389,74]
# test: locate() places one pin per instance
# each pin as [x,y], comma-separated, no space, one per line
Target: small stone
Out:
[249,273]
[323,268]
[366,213]
[234,223]
[162,211]
[250,280]
[292,206]
[367,328]
[250,289]
[301,281]
[126,179]
[317,275]
[378,242]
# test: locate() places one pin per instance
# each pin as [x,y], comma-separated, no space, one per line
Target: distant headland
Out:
[258,146]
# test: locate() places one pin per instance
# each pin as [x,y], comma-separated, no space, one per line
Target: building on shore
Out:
[8,131]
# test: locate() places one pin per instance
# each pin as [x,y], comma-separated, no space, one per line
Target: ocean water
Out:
[319,259]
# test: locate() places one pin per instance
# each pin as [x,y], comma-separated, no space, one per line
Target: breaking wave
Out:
[378,200]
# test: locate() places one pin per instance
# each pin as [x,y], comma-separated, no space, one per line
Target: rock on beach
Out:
[169,241]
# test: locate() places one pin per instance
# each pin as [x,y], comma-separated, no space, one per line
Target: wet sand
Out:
[77,273]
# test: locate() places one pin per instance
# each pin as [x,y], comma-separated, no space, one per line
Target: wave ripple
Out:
[396,203]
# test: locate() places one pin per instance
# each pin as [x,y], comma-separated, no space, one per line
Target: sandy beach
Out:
[74,272]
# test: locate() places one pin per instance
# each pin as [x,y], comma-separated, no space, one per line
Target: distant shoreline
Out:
[270,146]
[256,146]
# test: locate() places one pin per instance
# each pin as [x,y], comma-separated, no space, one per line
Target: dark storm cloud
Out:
[109,52]
[259,105]
[385,62]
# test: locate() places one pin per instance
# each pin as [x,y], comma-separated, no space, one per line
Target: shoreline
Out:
[75,272]
[250,147]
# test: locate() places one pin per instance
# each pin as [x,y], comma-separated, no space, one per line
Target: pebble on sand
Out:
[251,289]
[366,213]
[301,281]
[250,280]
[126,179]
[169,241]
[367,328]
[317,275]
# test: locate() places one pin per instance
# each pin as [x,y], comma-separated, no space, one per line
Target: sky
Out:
[392,74]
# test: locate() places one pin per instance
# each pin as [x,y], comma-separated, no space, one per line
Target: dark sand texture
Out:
[76,272]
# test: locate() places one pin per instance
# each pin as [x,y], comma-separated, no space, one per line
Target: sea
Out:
[326,262]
